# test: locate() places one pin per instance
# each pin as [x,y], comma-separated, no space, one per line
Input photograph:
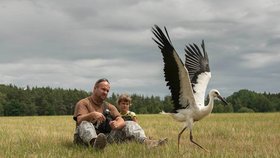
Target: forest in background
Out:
[17,101]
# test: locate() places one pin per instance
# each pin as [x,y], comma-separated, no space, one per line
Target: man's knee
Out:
[133,129]
[77,140]
[86,131]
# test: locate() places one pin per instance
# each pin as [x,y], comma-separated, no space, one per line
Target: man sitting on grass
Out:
[99,122]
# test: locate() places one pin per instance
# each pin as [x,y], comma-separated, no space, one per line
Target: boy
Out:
[124,102]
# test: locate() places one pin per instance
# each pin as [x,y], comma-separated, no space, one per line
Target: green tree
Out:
[2,103]
[167,104]
[228,108]
[13,108]
[57,101]
[218,108]
[245,110]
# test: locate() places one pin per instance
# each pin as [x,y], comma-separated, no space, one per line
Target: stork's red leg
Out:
[179,136]
[191,138]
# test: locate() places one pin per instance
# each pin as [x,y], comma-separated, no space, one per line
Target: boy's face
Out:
[124,106]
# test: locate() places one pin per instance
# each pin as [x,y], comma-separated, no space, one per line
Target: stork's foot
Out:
[191,139]
[200,146]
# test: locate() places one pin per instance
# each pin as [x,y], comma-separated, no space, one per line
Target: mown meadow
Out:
[225,135]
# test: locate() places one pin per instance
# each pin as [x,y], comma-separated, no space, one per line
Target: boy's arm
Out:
[133,116]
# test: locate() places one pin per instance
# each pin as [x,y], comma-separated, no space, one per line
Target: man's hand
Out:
[98,117]
[118,123]
[113,124]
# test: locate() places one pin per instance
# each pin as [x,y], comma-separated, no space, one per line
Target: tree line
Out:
[17,101]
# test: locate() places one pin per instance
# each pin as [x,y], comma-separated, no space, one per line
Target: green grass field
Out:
[225,135]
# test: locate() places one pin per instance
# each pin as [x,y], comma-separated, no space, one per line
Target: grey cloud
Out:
[47,43]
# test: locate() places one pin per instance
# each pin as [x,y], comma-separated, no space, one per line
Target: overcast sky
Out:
[71,43]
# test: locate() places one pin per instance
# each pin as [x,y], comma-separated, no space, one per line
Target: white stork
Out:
[187,82]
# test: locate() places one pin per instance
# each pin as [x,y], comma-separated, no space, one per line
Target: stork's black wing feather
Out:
[176,75]
[196,62]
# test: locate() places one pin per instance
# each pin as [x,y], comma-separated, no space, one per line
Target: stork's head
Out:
[216,94]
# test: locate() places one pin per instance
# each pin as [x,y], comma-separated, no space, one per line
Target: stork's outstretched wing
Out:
[176,74]
[197,63]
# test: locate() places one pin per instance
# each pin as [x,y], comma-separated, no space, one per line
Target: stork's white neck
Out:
[206,110]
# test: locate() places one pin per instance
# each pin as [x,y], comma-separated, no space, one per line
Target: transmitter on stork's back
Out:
[187,81]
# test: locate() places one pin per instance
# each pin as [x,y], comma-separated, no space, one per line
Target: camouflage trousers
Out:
[86,131]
